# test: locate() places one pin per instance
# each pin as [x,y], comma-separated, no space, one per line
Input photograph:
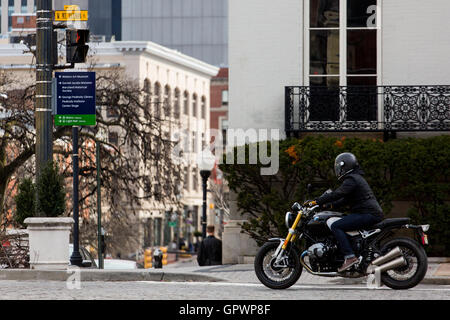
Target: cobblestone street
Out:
[138,290]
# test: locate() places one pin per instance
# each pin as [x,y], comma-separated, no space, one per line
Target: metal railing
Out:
[366,108]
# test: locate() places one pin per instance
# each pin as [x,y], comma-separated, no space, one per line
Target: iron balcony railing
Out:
[366,108]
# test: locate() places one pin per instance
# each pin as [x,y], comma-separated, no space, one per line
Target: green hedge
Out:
[415,170]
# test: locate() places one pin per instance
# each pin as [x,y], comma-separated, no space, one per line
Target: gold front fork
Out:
[291,236]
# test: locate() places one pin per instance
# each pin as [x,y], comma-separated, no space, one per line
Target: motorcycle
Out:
[399,262]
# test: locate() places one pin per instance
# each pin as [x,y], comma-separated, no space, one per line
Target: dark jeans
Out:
[351,222]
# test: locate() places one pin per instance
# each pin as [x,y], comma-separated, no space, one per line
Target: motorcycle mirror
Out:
[309,188]
[296,207]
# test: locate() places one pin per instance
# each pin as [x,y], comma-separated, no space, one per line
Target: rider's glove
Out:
[311,203]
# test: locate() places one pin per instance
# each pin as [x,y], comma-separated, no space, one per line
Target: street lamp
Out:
[205,162]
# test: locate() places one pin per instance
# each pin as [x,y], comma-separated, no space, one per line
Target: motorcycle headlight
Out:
[289,219]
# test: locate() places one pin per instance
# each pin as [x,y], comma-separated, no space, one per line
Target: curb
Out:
[436,280]
[100,275]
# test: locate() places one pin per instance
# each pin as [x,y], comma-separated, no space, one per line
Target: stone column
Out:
[237,247]
[49,242]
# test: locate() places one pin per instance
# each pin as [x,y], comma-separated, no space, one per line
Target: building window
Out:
[111,112]
[186,179]
[147,94]
[195,176]
[10,12]
[166,105]
[342,37]
[194,142]
[224,128]
[157,100]
[24,6]
[194,105]
[203,107]
[157,228]
[113,138]
[224,97]
[176,104]
[186,103]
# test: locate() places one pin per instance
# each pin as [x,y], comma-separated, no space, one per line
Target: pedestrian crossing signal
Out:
[76,48]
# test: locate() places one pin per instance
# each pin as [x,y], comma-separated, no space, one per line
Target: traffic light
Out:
[76,48]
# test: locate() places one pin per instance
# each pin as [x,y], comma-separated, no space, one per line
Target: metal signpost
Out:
[75,106]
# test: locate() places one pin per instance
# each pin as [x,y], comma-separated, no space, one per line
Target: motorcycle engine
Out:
[322,256]
[317,251]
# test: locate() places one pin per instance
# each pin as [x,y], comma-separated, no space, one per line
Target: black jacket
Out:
[210,252]
[355,192]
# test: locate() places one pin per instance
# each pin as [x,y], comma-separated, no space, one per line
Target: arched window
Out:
[186,178]
[176,104]
[186,103]
[194,105]
[167,102]
[147,93]
[203,107]
[147,86]
[157,99]
[195,176]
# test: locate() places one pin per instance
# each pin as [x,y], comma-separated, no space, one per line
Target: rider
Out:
[354,191]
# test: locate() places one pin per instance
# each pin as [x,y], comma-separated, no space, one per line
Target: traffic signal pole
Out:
[44,70]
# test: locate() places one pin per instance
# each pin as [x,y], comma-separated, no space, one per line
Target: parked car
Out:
[88,261]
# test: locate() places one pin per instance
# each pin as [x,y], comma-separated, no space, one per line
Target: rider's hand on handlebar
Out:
[310,203]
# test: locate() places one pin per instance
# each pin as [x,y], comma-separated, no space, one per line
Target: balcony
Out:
[366,109]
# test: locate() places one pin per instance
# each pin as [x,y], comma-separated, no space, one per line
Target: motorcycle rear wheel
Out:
[408,276]
[277,277]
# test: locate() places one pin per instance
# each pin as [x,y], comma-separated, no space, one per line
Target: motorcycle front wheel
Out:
[276,277]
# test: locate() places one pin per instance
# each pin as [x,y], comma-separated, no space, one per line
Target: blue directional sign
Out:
[75,99]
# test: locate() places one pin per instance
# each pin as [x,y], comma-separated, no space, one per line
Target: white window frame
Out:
[342,43]
[343,48]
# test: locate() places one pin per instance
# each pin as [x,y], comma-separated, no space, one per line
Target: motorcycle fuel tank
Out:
[318,224]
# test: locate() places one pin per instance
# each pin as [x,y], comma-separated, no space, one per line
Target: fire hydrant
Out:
[157,258]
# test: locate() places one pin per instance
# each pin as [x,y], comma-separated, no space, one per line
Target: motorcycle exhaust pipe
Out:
[384,263]
[394,253]
[400,261]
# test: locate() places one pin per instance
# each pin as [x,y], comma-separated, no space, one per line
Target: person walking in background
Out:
[210,249]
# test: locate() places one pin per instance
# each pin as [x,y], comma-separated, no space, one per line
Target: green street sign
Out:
[172,224]
[75,119]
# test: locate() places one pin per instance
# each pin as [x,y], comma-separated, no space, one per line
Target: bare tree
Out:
[135,161]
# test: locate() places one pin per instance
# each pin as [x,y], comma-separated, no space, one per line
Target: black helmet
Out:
[345,163]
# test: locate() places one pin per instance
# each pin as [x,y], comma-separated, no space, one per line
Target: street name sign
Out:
[71,15]
[75,99]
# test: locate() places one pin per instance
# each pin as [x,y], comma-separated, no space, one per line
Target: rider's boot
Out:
[348,263]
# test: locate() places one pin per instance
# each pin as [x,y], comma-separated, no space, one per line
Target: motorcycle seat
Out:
[391,223]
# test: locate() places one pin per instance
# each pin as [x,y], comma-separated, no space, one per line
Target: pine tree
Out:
[51,194]
[25,201]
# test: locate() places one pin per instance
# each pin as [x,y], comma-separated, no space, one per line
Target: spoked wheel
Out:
[273,276]
[413,272]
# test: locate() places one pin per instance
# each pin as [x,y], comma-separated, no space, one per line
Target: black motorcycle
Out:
[399,262]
